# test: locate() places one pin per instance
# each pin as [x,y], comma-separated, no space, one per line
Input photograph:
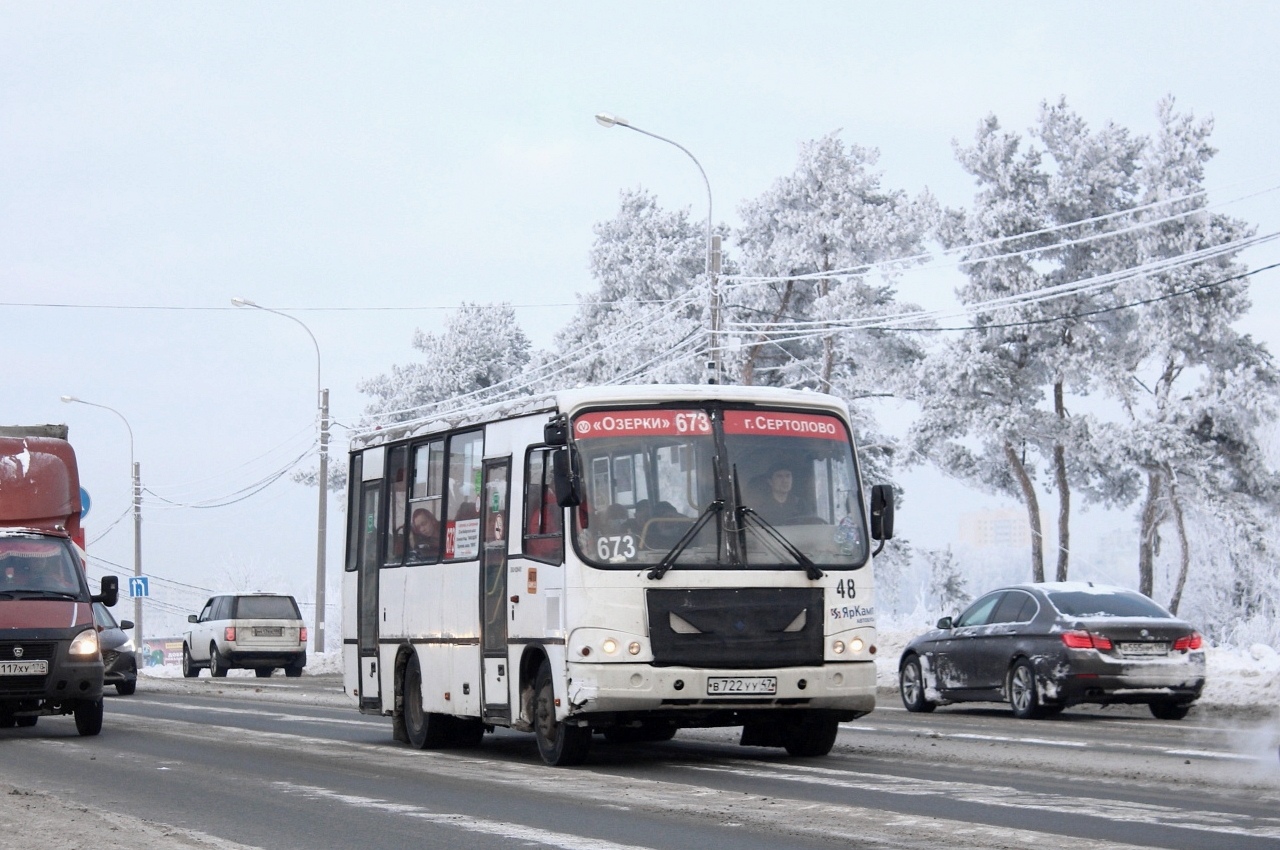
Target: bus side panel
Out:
[350,651]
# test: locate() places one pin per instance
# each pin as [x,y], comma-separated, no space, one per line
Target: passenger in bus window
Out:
[779,503]
[424,535]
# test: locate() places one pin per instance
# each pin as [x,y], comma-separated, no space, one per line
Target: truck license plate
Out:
[24,668]
[746,685]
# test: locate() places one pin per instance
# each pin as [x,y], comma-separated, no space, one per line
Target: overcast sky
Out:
[368,167]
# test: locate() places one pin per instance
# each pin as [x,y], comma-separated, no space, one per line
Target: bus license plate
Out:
[24,668]
[746,685]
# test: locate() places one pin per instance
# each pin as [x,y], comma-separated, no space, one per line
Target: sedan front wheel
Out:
[911,686]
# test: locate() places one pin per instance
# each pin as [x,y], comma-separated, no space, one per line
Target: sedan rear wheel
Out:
[911,686]
[1166,710]
[1024,696]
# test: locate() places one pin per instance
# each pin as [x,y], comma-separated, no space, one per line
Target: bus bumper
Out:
[597,688]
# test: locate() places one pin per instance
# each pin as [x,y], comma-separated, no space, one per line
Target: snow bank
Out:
[323,664]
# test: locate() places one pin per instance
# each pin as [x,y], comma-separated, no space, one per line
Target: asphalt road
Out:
[285,763]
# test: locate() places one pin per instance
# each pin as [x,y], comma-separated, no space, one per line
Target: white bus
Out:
[623,560]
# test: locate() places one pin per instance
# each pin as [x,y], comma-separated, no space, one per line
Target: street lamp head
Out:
[242,302]
[604,119]
[67,399]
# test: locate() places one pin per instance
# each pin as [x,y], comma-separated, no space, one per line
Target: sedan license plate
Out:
[24,668]
[275,631]
[1146,649]
[744,685]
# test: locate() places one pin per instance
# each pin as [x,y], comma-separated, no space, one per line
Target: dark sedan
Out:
[120,666]
[1044,647]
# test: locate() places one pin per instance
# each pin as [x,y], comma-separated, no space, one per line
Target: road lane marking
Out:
[1008,797]
[502,829]
[1046,742]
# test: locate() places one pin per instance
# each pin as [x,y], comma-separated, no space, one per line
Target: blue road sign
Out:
[84,503]
[139,586]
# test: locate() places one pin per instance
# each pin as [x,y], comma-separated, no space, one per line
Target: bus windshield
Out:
[712,488]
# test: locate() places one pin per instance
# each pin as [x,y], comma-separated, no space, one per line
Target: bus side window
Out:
[397,474]
[543,517]
[425,503]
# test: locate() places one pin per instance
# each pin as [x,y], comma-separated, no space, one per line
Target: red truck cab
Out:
[50,661]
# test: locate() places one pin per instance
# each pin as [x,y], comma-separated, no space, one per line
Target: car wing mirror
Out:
[192,618]
[944,623]
[126,624]
[110,592]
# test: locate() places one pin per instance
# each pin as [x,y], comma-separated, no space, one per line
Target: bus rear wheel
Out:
[425,729]
[559,744]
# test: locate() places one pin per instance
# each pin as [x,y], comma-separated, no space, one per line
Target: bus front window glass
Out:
[795,473]
[648,475]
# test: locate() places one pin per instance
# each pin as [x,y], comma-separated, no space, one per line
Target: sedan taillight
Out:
[1191,641]
[229,634]
[302,635]
[1085,640]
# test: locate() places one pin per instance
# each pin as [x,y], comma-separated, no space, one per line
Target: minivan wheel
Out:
[89,716]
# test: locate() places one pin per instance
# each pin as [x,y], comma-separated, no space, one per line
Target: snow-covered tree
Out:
[646,321]
[480,357]
[1195,389]
[831,214]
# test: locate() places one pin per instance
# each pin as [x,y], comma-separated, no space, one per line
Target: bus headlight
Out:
[838,647]
[609,645]
[856,645]
[85,643]
[634,647]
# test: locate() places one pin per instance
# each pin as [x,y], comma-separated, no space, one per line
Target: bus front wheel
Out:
[811,736]
[559,744]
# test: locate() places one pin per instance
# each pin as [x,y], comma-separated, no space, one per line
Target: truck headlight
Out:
[85,643]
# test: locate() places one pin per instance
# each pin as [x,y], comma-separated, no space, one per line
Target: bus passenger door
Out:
[368,563]
[495,525]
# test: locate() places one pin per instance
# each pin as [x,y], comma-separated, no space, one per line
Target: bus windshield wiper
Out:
[810,568]
[669,560]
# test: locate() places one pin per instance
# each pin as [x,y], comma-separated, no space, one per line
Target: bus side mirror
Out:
[110,591]
[565,477]
[882,512]
[556,432]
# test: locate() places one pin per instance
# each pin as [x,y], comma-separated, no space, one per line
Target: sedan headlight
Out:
[85,643]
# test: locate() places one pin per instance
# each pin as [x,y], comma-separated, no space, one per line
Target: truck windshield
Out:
[649,476]
[39,566]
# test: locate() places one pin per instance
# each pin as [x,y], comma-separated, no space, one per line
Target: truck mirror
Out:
[564,470]
[882,512]
[110,591]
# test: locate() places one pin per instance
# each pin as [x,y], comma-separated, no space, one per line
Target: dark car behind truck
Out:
[50,660]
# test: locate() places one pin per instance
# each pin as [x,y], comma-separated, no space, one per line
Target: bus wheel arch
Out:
[530,663]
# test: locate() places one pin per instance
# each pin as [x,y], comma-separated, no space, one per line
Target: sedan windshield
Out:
[718,488]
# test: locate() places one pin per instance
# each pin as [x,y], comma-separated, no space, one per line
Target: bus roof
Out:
[570,400]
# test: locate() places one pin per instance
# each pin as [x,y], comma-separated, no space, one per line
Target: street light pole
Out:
[136,469]
[604,119]
[322,513]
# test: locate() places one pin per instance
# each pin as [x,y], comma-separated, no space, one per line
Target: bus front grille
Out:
[736,628]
